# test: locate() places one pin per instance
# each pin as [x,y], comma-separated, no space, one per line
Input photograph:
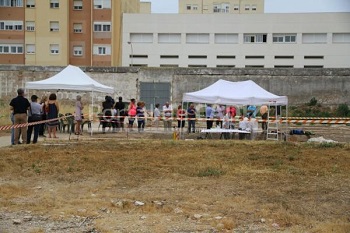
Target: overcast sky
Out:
[271,6]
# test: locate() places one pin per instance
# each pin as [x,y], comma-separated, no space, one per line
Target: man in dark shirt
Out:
[19,106]
[121,113]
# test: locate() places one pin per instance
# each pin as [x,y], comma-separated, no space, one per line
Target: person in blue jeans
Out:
[191,115]
[13,129]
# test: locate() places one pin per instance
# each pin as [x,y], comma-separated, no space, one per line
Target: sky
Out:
[271,6]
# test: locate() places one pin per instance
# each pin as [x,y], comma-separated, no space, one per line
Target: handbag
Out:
[34,117]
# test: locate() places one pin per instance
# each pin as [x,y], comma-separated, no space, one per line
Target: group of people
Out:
[44,112]
[24,112]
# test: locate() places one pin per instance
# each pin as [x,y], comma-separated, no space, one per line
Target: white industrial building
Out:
[294,40]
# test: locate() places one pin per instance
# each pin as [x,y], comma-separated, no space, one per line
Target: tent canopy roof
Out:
[71,78]
[234,93]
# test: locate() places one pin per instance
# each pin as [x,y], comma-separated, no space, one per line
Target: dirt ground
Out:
[151,183]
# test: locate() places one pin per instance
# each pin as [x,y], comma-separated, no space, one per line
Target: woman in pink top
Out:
[131,113]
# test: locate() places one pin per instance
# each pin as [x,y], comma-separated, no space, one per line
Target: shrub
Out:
[343,110]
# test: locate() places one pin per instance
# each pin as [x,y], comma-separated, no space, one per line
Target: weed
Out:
[209,171]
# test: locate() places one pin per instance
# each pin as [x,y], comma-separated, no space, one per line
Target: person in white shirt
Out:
[156,116]
[167,113]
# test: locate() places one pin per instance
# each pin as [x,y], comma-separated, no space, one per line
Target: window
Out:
[77,4]
[11,3]
[236,7]
[54,48]
[314,66]
[78,28]
[221,8]
[198,66]
[225,57]
[197,57]
[54,3]
[284,66]
[197,38]
[314,38]
[102,4]
[141,37]
[169,38]
[195,7]
[54,26]
[247,7]
[78,50]
[188,7]
[102,26]
[341,37]
[11,25]
[30,48]
[169,56]
[221,38]
[284,57]
[253,7]
[102,50]
[284,38]
[11,49]
[254,57]
[30,4]
[30,26]
[313,57]
[255,38]
[225,66]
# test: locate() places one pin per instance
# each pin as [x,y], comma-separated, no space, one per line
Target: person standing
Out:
[20,105]
[180,115]
[107,107]
[140,112]
[121,113]
[209,114]
[131,113]
[52,109]
[263,112]
[220,110]
[35,110]
[78,115]
[191,115]
[167,113]
[42,126]
[156,115]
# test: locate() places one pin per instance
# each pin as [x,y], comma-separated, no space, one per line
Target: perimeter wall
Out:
[328,86]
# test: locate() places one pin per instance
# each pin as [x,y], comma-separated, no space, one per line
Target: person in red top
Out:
[180,115]
[131,113]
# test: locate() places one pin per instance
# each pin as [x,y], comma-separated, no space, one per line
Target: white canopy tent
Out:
[71,78]
[237,93]
[234,93]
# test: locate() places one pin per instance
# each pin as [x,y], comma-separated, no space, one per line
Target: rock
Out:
[139,203]
[16,221]
[160,203]
[143,217]
[275,225]
[178,211]
[262,220]
[218,217]
[27,218]
[197,216]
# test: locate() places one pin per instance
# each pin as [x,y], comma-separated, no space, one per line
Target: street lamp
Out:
[132,53]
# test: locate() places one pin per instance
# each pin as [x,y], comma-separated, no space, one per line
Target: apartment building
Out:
[295,40]
[62,32]
[221,7]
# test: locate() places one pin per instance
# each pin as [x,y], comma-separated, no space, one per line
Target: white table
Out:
[219,130]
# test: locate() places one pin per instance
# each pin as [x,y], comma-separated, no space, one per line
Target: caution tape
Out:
[289,120]
[16,126]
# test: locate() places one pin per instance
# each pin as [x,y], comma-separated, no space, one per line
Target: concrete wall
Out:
[328,86]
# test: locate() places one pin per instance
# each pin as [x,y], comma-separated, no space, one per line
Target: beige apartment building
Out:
[221,6]
[62,32]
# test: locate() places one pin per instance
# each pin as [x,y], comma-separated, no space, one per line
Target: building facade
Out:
[303,40]
[62,32]
[221,7]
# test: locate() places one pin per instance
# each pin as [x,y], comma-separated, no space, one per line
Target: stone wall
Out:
[328,86]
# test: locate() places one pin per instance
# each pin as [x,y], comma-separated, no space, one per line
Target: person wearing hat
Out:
[34,115]
[19,106]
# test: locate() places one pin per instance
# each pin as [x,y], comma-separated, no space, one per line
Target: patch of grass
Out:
[209,171]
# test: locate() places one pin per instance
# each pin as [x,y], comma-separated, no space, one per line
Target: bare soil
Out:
[151,183]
